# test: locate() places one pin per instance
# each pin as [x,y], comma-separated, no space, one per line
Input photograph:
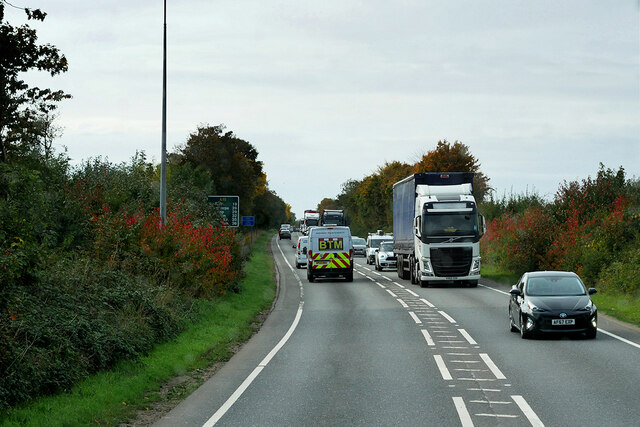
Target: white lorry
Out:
[311,218]
[437,229]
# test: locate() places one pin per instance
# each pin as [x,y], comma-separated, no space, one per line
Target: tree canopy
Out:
[25,110]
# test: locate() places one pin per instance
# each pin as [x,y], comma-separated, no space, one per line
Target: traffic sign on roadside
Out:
[248,221]
[229,208]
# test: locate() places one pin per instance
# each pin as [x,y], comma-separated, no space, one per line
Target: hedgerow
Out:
[91,276]
[591,227]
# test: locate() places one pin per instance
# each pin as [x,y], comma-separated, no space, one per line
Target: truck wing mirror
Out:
[304,251]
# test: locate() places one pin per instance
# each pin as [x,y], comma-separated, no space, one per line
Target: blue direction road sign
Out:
[248,221]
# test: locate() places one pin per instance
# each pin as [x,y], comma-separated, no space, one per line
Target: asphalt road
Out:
[380,351]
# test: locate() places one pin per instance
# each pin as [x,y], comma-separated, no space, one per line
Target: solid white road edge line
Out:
[492,366]
[528,412]
[247,382]
[619,338]
[463,413]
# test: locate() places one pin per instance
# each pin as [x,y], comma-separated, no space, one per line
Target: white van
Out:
[301,251]
[330,253]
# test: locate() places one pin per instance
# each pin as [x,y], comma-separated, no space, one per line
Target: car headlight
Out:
[382,256]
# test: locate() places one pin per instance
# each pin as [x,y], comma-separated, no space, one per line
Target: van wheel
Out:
[349,277]
[298,265]
[310,276]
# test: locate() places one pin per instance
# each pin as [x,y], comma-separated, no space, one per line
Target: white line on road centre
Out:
[391,293]
[446,375]
[446,316]
[427,302]
[427,337]
[619,338]
[463,413]
[415,318]
[492,366]
[528,412]
[467,337]
[412,293]
[404,304]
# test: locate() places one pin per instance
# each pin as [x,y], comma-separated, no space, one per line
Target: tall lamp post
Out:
[163,162]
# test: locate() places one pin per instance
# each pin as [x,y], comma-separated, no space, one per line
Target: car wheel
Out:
[298,265]
[512,325]
[377,266]
[591,333]
[524,334]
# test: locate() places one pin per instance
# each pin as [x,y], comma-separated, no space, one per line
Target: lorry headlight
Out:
[475,267]
[426,267]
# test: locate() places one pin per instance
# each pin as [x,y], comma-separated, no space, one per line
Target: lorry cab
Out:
[330,253]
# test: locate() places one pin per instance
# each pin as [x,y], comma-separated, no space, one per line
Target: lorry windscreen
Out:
[449,224]
[311,222]
[332,219]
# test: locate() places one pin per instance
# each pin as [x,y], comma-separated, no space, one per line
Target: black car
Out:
[552,302]
[284,233]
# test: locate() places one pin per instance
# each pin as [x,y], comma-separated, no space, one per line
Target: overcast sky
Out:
[541,91]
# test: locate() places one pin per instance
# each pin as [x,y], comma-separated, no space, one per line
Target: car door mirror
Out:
[592,291]
[515,291]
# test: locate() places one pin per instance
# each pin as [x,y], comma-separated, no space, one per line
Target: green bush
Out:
[79,319]
[622,276]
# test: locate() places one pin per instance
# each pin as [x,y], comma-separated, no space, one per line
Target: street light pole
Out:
[163,162]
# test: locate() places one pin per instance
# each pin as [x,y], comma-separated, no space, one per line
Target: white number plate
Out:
[560,322]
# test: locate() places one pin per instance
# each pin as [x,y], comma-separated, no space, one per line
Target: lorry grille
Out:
[451,262]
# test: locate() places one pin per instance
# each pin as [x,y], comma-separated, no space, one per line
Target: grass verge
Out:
[493,273]
[109,398]
[622,307]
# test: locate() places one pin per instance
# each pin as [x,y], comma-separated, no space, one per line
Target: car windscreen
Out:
[359,241]
[555,286]
[375,242]
[386,247]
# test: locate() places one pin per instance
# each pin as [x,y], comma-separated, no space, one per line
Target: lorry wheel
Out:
[424,283]
[472,283]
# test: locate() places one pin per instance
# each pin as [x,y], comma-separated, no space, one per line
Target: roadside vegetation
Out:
[132,386]
[90,277]
[591,227]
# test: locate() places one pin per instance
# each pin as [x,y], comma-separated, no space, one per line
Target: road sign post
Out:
[229,208]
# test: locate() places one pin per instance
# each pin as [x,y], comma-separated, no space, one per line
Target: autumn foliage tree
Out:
[456,157]
[369,201]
